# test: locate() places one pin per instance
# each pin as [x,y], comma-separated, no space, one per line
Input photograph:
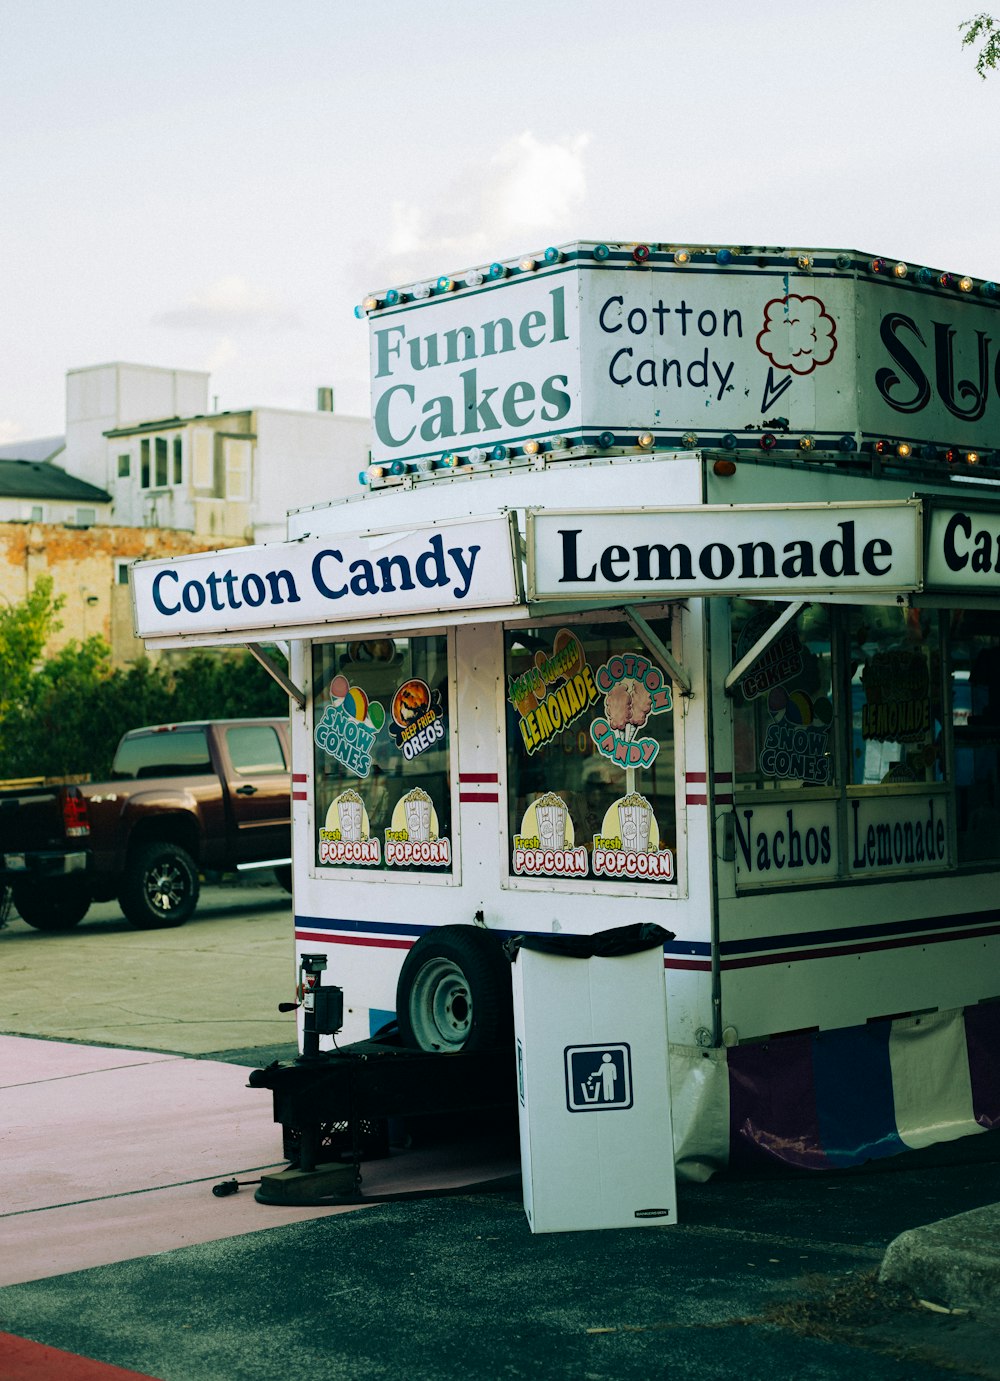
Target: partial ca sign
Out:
[963,549]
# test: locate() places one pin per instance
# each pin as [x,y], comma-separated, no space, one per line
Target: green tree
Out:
[25,628]
[63,716]
[982,28]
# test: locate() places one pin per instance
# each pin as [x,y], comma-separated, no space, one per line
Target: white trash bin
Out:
[590,1024]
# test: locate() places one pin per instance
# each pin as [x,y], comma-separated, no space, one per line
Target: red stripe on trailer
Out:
[479,796]
[300,776]
[696,800]
[691,965]
[371,941]
[838,951]
[478,777]
[23,1360]
[300,796]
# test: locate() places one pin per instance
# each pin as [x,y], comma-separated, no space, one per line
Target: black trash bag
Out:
[605,944]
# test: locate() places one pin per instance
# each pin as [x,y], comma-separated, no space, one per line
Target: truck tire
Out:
[454,991]
[51,904]
[160,887]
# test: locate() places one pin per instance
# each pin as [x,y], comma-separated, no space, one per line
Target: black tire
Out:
[454,992]
[51,903]
[160,887]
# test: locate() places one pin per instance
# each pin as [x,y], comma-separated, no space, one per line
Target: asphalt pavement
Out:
[123,1102]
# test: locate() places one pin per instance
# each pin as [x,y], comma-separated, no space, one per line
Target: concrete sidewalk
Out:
[115,1249]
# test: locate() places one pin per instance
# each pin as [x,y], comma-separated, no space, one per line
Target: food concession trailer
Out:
[670,595]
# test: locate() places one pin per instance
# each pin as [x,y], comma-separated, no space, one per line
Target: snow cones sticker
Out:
[349,726]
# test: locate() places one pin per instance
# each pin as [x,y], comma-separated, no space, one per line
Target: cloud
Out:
[230,304]
[10,431]
[526,191]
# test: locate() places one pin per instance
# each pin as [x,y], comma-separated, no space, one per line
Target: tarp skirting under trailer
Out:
[914,1081]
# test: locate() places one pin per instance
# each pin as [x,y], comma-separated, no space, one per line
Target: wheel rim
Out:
[441,1006]
[166,887]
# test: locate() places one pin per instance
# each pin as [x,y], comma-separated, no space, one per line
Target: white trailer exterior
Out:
[604,639]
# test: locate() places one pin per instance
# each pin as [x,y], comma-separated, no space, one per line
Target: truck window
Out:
[382,754]
[163,753]
[255,748]
[590,754]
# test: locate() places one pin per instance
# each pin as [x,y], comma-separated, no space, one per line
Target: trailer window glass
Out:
[975,712]
[381,745]
[894,661]
[590,754]
[782,700]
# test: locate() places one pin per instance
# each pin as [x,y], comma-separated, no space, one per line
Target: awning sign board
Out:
[450,566]
[963,549]
[790,551]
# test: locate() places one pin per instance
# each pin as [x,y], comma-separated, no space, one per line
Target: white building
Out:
[233,474]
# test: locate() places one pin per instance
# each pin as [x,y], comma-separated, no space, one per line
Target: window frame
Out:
[675,890]
[430,875]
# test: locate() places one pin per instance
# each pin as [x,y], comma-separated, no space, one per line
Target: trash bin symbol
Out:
[598,1077]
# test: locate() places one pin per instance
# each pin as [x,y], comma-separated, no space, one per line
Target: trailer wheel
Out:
[454,991]
[160,887]
[51,905]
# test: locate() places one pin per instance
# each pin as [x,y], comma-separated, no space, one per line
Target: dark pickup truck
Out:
[182,799]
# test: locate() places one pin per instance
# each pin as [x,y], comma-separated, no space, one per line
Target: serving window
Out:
[783,704]
[381,755]
[590,754]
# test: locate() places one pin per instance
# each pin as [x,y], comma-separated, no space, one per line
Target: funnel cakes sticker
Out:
[416,721]
[556,690]
[346,836]
[349,726]
[629,843]
[413,836]
[633,690]
[545,845]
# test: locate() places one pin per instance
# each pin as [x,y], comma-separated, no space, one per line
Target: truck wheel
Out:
[160,887]
[51,905]
[454,991]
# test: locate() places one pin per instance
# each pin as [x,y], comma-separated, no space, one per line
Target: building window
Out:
[178,460]
[124,465]
[236,455]
[86,517]
[161,462]
[144,463]
[36,514]
[121,572]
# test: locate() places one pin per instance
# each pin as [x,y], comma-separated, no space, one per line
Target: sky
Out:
[214,184]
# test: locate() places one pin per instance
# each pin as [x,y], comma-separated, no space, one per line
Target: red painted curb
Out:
[23,1360]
